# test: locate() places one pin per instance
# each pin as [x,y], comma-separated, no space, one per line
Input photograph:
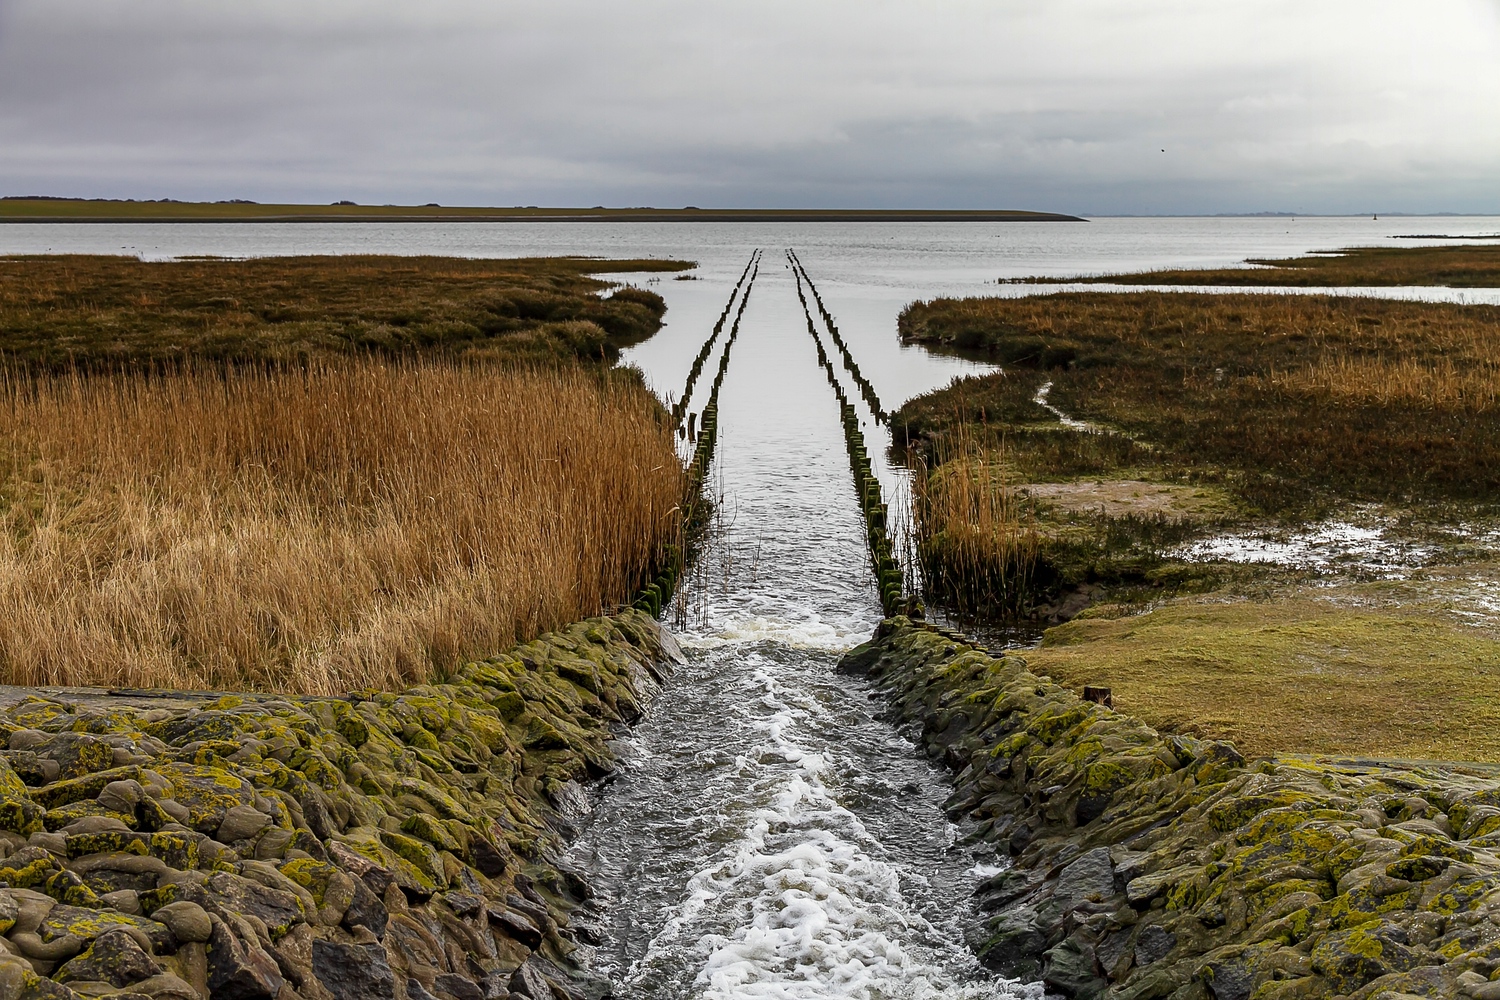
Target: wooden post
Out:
[1099,696]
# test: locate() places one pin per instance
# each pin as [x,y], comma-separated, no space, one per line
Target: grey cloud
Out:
[1339,106]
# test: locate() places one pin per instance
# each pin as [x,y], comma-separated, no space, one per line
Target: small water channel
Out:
[768,834]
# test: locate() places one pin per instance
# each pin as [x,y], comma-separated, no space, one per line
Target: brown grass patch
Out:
[356,524]
[1127,498]
[105,311]
[1468,266]
[1295,395]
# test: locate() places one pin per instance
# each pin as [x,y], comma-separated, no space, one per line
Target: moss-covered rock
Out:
[1271,879]
[263,828]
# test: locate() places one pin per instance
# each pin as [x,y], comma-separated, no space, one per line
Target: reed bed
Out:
[355,524]
[1466,384]
[978,550]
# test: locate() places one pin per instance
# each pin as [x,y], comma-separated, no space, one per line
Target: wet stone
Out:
[121,796]
[1071,970]
[241,823]
[114,876]
[1091,878]
[114,957]
[457,987]
[1153,944]
[187,921]
[353,971]
[366,910]
[238,970]
[529,982]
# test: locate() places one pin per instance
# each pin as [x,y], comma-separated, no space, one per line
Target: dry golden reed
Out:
[1384,381]
[977,549]
[345,525]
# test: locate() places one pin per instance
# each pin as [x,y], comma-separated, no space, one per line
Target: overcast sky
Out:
[1081,106]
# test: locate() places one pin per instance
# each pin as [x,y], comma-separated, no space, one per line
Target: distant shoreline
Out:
[47,210]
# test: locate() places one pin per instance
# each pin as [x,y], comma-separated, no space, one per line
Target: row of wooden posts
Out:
[679,409]
[658,594]
[888,575]
[865,388]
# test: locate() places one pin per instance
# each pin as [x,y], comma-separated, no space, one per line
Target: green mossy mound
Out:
[1149,866]
[272,848]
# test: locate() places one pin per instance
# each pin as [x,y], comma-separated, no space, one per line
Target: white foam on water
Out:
[800,905]
[810,632]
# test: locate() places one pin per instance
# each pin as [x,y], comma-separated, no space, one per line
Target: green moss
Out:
[207,792]
[88,924]
[439,833]
[1238,811]
[60,793]
[176,850]
[1106,777]
[311,875]
[20,815]
[1462,893]
[418,857]
[32,875]
[1264,899]
[1418,869]
[1050,725]
[110,841]
[68,887]
[1361,906]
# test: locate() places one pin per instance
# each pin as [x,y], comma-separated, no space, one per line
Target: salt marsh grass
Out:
[978,550]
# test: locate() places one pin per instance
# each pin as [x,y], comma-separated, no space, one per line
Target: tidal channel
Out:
[768,834]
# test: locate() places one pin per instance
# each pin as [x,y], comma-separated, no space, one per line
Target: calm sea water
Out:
[768,833]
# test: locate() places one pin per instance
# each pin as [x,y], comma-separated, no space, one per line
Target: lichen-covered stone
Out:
[114,957]
[249,847]
[1154,866]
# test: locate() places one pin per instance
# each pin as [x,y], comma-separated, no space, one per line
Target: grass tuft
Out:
[978,551]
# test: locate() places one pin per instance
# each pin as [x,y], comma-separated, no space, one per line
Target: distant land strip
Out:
[81,210]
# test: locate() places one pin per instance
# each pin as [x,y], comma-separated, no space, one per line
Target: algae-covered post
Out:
[656,595]
[889,580]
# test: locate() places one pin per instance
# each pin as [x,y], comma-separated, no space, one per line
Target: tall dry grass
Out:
[346,525]
[1463,384]
[977,548]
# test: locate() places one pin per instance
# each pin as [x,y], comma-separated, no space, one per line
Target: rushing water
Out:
[768,834]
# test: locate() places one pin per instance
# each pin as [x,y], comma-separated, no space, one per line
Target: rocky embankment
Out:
[1150,866]
[402,846]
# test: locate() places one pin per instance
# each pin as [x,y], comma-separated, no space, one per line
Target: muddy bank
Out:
[1150,866]
[258,847]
